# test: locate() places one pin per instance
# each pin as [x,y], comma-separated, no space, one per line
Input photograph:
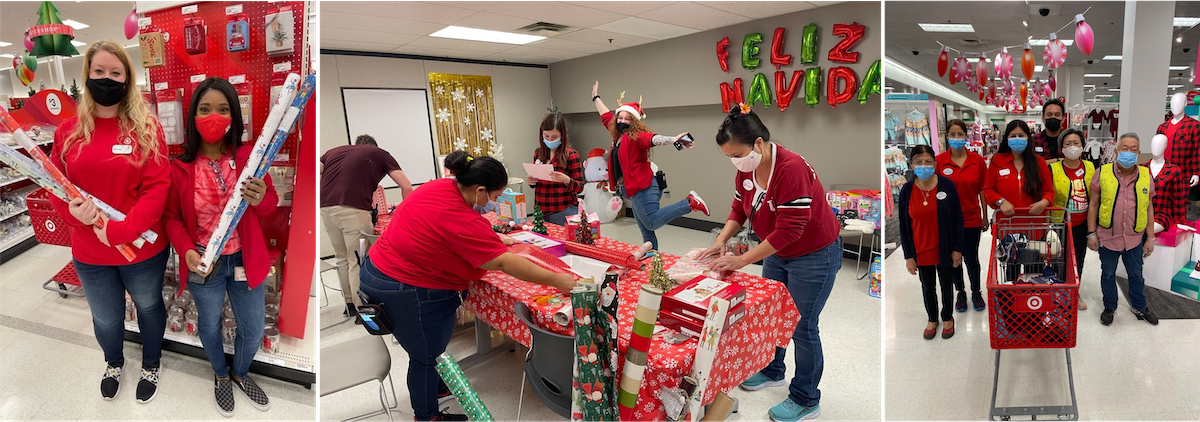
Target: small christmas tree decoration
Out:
[658,275]
[51,37]
[539,223]
[583,234]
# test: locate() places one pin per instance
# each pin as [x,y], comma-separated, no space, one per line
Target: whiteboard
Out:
[398,119]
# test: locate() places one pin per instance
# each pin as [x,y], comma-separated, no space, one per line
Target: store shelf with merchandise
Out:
[16,230]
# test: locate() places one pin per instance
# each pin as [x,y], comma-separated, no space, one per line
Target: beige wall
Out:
[679,78]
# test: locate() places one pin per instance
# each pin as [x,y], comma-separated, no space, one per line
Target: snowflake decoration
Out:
[458,95]
[460,144]
[478,150]
[486,134]
[497,150]
[443,115]
[440,90]
[467,120]
[470,106]
[479,93]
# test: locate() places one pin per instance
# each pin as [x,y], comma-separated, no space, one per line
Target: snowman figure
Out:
[598,196]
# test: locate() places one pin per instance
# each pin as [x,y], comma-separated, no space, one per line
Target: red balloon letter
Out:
[836,97]
[852,33]
[777,57]
[784,91]
[723,53]
[731,95]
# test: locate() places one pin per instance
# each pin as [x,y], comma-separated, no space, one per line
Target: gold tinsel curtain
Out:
[465,114]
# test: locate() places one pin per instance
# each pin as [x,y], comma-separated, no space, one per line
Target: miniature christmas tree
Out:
[539,224]
[54,44]
[658,275]
[75,90]
[583,234]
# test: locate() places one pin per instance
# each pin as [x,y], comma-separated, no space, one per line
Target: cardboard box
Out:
[691,299]
[280,33]
[510,206]
[552,246]
[151,44]
[692,326]
[573,225]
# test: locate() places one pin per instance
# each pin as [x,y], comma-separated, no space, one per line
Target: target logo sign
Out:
[50,226]
[1031,302]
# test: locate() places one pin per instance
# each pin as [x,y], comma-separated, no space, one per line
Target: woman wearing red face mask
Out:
[203,180]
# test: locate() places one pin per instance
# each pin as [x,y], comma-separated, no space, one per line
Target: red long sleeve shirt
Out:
[792,214]
[1004,181]
[140,191]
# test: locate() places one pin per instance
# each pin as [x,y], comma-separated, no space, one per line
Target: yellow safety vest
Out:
[1109,185]
[1062,185]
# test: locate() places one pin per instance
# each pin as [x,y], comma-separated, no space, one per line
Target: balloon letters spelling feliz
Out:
[723,53]
[777,57]
[750,50]
[852,33]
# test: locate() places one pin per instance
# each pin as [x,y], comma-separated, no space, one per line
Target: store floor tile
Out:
[850,329]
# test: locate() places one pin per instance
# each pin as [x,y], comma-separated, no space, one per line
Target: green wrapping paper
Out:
[592,376]
[453,375]
[649,301]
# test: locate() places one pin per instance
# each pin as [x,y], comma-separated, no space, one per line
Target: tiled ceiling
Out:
[999,24]
[594,27]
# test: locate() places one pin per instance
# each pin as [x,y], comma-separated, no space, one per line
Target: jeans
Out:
[1133,267]
[422,321]
[248,312]
[105,287]
[650,217]
[930,275]
[345,225]
[560,217]
[809,279]
[970,261]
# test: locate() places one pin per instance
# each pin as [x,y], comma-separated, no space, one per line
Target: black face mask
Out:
[106,92]
[622,127]
[1053,124]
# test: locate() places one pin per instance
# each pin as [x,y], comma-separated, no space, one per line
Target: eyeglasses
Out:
[217,172]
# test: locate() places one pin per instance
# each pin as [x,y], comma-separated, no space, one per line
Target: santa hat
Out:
[632,108]
[597,152]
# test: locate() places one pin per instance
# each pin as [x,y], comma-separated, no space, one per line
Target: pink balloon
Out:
[131,24]
[28,41]
[1004,63]
[1055,52]
[1084,38]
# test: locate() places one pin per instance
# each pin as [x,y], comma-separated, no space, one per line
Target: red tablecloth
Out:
[745,349]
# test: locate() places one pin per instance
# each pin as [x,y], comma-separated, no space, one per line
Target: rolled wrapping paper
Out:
[34,172]
[603,255]
[563,315]
[706,353]
[458,383]
[47,166]
[641,251]
[649,301]
[279,122]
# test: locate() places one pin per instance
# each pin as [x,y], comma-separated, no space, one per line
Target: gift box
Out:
[551,246]
[237,33]
[151,47]
[691,299]
[1171,237]
[510,206]
[194,39]
[692,326]
[573,225]
[280,32]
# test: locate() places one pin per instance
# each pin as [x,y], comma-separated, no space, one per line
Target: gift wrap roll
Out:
[563,315]
[649,300]
[458,383]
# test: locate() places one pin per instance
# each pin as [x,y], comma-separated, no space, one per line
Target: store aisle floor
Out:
[1130,370]
[849,327]
[52,363]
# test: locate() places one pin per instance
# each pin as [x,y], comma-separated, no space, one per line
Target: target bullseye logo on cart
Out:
[50,226]
[1030,302]
[1034,303]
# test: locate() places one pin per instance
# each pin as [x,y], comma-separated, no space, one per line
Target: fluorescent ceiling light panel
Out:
[1103,95]
[77,43]
[484,35]
[1037,68]
[947,27]
[1178,67]
[7,56]
[75,24]
[1044,42]
[1089,86]
[1111,57]
[1114,89]
[1173,86]
[1186,21]
[1097,75]
[5,44]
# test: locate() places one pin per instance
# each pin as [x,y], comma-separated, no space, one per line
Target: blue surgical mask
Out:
[1127,159]
[552,144]
[958,143]
[491,206]
[924,172]
[1018,144]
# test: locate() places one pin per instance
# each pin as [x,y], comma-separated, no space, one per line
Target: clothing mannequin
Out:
[1183,137]
[1169,187]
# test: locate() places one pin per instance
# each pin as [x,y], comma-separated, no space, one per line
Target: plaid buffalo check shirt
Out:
[1183,146]
[553,197]
[1171,189]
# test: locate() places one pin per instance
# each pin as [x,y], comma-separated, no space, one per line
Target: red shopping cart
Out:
[1033,292]
[49,228]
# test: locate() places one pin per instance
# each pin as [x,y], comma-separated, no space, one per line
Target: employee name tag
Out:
[1004,172]
[122,149]
[1037,149]
[239,273]
[1079,172]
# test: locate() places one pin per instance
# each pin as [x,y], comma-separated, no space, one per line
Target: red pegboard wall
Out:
[254,63]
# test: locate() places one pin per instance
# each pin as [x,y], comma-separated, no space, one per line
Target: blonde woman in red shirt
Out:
[114,149]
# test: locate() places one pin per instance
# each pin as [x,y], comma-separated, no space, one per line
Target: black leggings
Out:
[1079,236]
[930,276]
[970,261]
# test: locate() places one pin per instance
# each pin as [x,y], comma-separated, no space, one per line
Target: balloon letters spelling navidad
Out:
[784,91]
[723,53]
[750,50]
[852,33]
[835,97]
[731,95]
[777,57]
[812,86]
[759,91]
[870,84]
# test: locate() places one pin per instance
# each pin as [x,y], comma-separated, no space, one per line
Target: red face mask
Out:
[213,127]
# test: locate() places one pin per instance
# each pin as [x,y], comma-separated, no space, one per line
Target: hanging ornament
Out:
[750,50]
[1004,63]
[1046,91]
[961,69]
[981,95]
[30,62]
[131,24]
[723,53]
[1055,52]
[1084,38]
[51,37]
[1053,82]
[832,94]
[973,84]
[24,74]
[1024,92]
[870,84]
[943,61]
[1027,62]
[812,86]
[28,41]
[777,57]
[981,69]
[1008,87]
[991,91]
[16,62]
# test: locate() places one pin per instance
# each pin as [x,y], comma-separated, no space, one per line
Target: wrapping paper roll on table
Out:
[649,300]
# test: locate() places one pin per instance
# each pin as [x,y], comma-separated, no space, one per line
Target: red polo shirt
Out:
[1004,181]
[968,179]
[436,240]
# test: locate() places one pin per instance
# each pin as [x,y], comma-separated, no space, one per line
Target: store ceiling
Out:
[104,19]
[404,27]
[999,24]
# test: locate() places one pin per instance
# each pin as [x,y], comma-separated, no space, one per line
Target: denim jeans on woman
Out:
[248,312]
[105,288]
[809,279]
[560,217]
[422,321]
[650,217]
